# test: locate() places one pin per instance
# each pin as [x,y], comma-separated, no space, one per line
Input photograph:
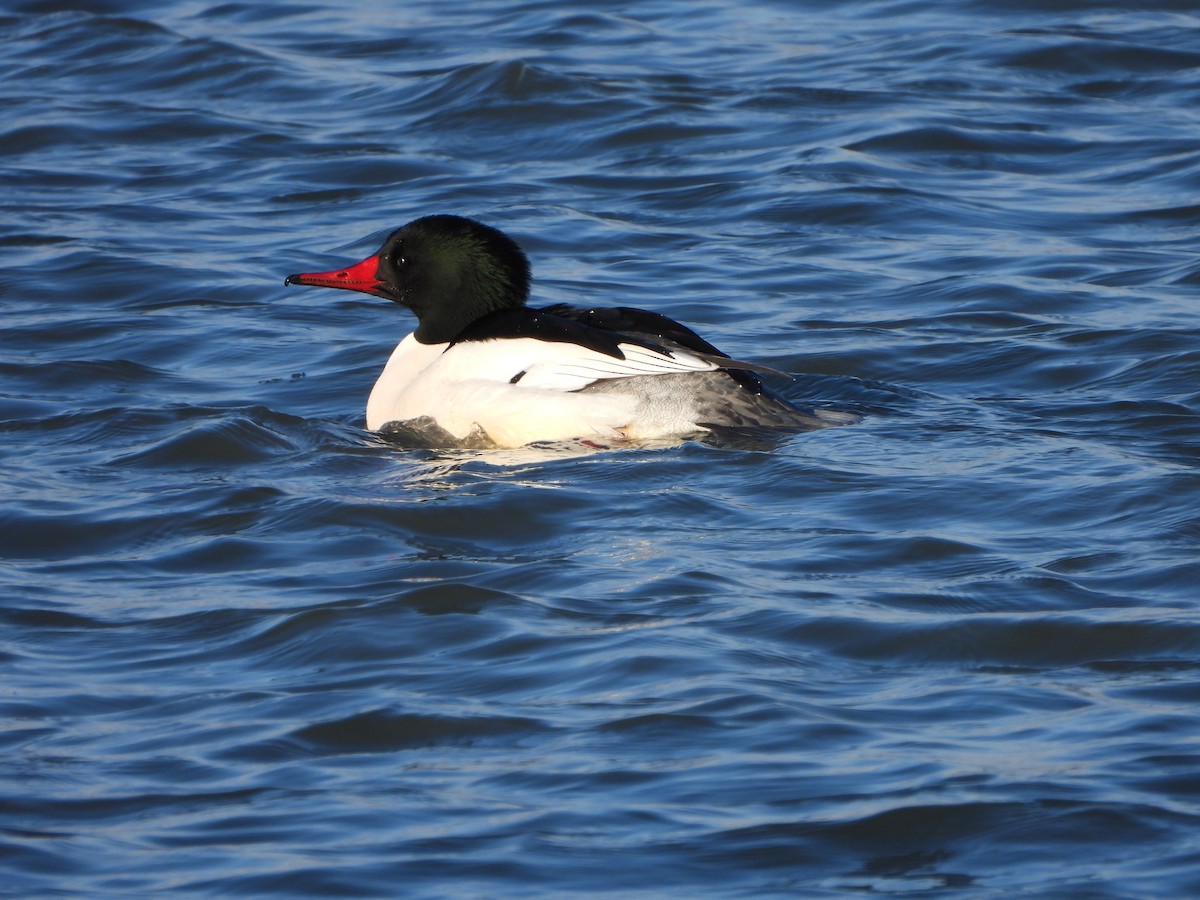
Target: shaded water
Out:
[250,649]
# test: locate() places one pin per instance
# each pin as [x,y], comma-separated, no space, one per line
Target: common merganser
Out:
[481,363]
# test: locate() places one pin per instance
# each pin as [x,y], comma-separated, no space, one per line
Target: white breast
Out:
[407,361]
[518,390]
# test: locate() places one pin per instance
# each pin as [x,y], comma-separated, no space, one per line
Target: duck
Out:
[483,364]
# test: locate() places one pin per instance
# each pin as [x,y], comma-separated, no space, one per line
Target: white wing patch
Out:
[568,367]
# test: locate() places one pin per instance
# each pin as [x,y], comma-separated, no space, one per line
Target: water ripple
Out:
[251,648]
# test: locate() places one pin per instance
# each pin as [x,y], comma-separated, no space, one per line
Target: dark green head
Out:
[448,270]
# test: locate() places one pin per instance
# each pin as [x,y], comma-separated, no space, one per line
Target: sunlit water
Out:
[251,649]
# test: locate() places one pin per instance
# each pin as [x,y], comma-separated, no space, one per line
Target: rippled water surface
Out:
[250,649]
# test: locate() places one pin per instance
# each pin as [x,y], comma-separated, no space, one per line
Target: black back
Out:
[602,330]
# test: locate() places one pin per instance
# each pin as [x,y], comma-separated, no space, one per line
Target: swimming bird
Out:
[481,363]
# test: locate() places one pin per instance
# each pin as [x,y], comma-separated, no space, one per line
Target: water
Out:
[251,650]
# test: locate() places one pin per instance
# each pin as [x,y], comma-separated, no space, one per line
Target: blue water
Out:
[249,649]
